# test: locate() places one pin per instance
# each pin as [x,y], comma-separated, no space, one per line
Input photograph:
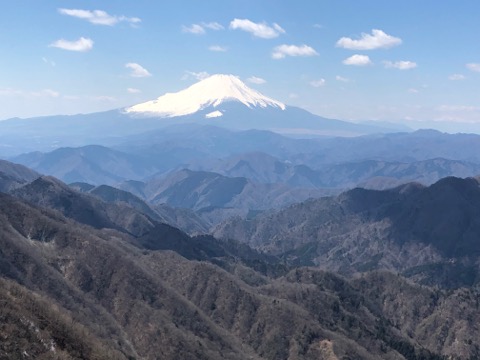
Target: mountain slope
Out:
[263,168]
[215,197]
[14,175]
[125,297]
[48,192]
[411,228]
[91,164]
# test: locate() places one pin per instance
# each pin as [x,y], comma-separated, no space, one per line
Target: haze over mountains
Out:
[202,103]
[244,300]
[191,226]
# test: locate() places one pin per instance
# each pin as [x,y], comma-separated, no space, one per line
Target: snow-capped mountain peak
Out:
[210,92]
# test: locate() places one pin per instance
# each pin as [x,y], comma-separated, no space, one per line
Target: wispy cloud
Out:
[455,108]
[133,91]
[376,40]
[44,93]
[10,92]
[473,66]
[342,79]
[48,93]
[358,60]
[282,51]
[456,77]
[457,113]
[99,17]
[261,30]
[137,70]
[256,80]
[194,29]
[400,65]
[212,25]
[196,75]
[81,45]
[49,62]
[199,29]
[318,83]
[217,48]
[413,91]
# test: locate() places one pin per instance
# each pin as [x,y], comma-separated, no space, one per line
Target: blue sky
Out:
[413,62]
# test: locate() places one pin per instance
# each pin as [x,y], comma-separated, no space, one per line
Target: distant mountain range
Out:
[221,100]
[263,157]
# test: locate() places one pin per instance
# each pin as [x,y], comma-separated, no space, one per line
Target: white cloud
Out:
[318,26]
[99,17]
[358,60]
[318,83]
[81,45]
[342,79]
[194,29]
[400,65]
[48,93]
[293,96]
[413,91]
[213,26]
[455,77]
[377,40]
[281,51]
[256,80]
[199,29]
[138,71]
[133,91]
[473,66]
[217,48]
[196,75]
[261,30]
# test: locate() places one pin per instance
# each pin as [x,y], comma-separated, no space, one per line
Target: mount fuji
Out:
[220,100]
[206,94]
[224,100]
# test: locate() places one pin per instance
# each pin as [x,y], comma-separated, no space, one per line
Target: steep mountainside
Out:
[429,233]
[51,193]
[184,219]
[14,175]
[105,294]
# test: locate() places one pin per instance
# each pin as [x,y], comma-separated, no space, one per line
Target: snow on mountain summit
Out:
[211,91]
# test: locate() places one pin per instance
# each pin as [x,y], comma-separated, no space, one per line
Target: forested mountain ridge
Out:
[427,232]
[208,298]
